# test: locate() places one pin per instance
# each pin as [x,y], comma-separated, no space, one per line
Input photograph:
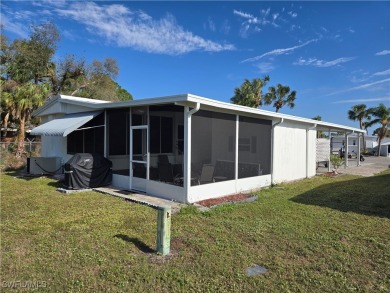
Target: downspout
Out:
[307,148]
[273,148]
[187,150]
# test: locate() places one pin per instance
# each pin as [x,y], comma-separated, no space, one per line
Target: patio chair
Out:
[165,172]
[207,174]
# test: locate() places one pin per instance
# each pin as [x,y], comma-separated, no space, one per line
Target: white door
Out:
[139,157]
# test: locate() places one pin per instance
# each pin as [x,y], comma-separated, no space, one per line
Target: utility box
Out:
[44,165]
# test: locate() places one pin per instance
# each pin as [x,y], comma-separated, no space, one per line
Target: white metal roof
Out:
[64,125]
[191,100]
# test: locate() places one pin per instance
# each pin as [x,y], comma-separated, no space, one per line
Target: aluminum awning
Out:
[64,125]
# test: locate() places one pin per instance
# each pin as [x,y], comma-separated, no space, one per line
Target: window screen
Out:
[161,134]
[89,140]
[212,147]
[118,132]
[254,147]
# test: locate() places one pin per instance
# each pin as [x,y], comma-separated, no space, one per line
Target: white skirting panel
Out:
[219,189]
[253,183]
[212,190]
[197,192]
[166,191]
[121,181]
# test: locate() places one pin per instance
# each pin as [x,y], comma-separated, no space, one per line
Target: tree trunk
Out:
[20,138]
[5,124]
[364,143]
[381,135]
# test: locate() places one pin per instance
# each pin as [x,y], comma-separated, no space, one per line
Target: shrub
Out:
[336,161]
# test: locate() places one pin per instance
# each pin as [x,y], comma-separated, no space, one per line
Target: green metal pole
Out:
[163,230]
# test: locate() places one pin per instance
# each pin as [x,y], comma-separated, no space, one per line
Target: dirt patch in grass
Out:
[332,174]
[226,199]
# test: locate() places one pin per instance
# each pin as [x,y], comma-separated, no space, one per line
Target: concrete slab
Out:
[372,165]
[144,199]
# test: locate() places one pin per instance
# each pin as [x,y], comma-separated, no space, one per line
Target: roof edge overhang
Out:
[191,100]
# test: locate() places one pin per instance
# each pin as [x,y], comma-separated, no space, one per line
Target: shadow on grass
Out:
[367,196]
[138,243]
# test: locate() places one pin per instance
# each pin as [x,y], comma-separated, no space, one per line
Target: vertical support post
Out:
[330,147]
[105,134]
[346,151]
[163,230]
[236,148]
[358,150]
[187,152]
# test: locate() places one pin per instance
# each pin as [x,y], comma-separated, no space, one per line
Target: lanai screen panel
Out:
[212,147]
[166,137]
[254,147]
[88,138]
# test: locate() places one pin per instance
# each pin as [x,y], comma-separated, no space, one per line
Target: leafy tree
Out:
[382,114]
[25,68]
[362,114]
[94,81]
[376,131]
[280,96]
[250,93]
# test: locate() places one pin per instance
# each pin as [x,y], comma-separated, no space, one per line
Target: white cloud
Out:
[265,67]
[225,28]
[255,23]
[293,14]
[13,26]
[361,87]
[321,63]
[243,14]
[384,99]
[385,72]
[136,29]
[211,25]
[279,51]
[382,53]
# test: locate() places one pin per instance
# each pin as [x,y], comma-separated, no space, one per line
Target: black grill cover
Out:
[85,170]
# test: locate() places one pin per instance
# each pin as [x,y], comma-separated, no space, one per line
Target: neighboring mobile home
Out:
[185,148]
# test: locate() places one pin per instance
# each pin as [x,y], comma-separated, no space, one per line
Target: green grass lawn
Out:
[316,235]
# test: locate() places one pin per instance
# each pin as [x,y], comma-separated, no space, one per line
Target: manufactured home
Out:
[184,147]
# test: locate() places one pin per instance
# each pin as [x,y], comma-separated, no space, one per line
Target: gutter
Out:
[273,148]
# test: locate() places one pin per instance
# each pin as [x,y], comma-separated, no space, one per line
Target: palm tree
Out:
[383,118]
[360,112]
[7,103]
[27,98]
[250,93]
[280,96]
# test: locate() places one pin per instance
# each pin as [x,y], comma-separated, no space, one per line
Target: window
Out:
[118,132]
[161,134]
[180,139]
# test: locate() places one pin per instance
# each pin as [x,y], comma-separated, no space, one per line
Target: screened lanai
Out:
[147,146]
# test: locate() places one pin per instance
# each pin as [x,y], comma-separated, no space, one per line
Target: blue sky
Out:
[334,54]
